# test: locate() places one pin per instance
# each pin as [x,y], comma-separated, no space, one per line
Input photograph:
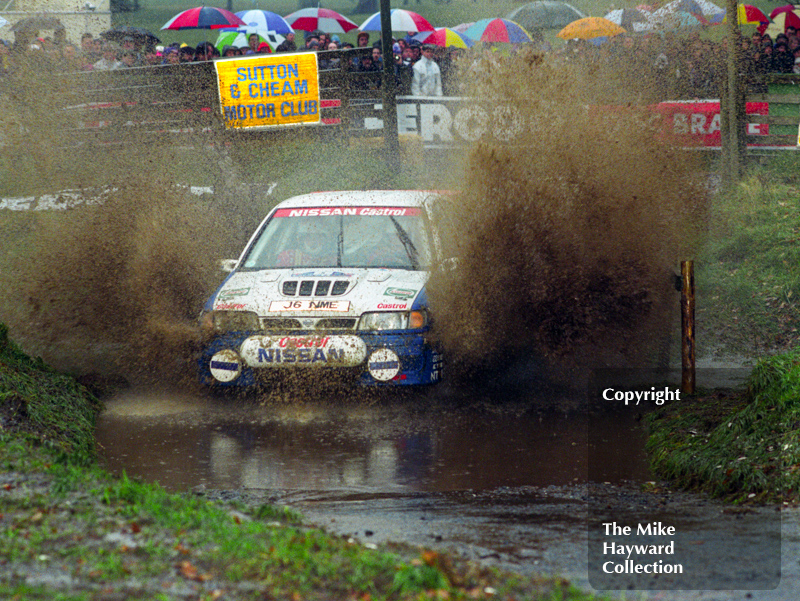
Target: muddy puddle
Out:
[509,482]
[413,444]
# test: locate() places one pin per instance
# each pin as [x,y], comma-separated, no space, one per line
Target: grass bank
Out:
[69,530]
[744,445]
[748,275]
[738,446]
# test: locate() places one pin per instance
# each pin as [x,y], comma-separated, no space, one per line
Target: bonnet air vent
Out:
[339,287]
[322,288]
[306,287]
[290,288]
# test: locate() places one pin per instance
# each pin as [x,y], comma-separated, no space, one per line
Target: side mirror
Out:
[227,265]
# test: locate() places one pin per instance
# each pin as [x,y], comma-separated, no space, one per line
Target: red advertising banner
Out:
[697,122]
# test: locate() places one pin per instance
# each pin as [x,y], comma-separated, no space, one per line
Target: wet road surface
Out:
[495,481]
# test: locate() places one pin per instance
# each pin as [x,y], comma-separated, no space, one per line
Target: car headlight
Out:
[219,322]
[389,320]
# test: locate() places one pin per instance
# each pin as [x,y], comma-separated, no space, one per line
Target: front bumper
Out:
[396,358]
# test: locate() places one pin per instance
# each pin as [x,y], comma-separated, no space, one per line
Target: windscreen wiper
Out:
[408,245]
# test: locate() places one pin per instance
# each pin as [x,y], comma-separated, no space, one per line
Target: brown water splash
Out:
[566,240]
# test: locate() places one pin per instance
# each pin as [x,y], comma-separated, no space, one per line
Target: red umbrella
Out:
[324,19]
[786,8]
[781,21]
[750,15]
[204,17]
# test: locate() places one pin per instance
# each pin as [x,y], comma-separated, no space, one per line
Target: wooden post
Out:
[390,136]
[732,111]
[687,328]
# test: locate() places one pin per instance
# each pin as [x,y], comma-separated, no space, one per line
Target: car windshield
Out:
[393,237]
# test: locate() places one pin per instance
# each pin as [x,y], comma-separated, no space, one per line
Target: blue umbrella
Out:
[264,19]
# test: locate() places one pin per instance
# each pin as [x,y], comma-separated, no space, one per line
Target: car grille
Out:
[315,287]
[309,323]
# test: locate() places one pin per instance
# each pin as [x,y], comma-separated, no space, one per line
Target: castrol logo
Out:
[303,342]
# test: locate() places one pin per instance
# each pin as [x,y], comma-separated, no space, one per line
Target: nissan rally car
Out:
[333,282]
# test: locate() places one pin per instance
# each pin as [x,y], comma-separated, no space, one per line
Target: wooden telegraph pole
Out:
[733,113]
[687,328]
[389,86]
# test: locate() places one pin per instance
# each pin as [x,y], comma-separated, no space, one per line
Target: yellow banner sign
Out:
[268,90]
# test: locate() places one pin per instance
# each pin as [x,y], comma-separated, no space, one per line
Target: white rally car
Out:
[330,281]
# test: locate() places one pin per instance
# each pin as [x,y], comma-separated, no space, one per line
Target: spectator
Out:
[205,51]
[129,44]
[263,48]
[186,54]
[287,45]
[152,56]
[128,58]
[170,56]
[782,59]
[362,41]
[110,59]
[253,40]
[70,57]
[427,77]
[330,63]
[377,55]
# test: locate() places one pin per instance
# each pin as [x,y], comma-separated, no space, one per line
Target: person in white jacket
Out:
[427,78]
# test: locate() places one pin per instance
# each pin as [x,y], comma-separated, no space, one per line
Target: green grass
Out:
[743,448]
[37,399]
[748,276]
[65,516]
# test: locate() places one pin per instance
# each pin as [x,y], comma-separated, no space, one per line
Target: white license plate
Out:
[309,305]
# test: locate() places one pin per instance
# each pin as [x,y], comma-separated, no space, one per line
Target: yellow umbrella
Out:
[590,27]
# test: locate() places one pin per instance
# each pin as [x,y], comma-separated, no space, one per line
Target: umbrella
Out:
[324,19]
[590,27]
[264,19]
[444,37]
[402,20]
[676,19]
[715,14]
[462,27]
[704,11]
[36,23]
[498,30]
[786,8]
[139,34]
[629,19]
[203,17]
[750,15]
[545,14]
[240,37]
[783,20]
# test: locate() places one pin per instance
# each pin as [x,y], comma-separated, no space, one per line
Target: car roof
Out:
[414,198]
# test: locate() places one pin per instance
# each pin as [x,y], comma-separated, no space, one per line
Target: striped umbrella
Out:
[783,20]
[240,38]
[498,30]
[444,37]
[324,19]
[203,17]
[402,20]
[751,15]
[266,20]
[462,27]
[629,19]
